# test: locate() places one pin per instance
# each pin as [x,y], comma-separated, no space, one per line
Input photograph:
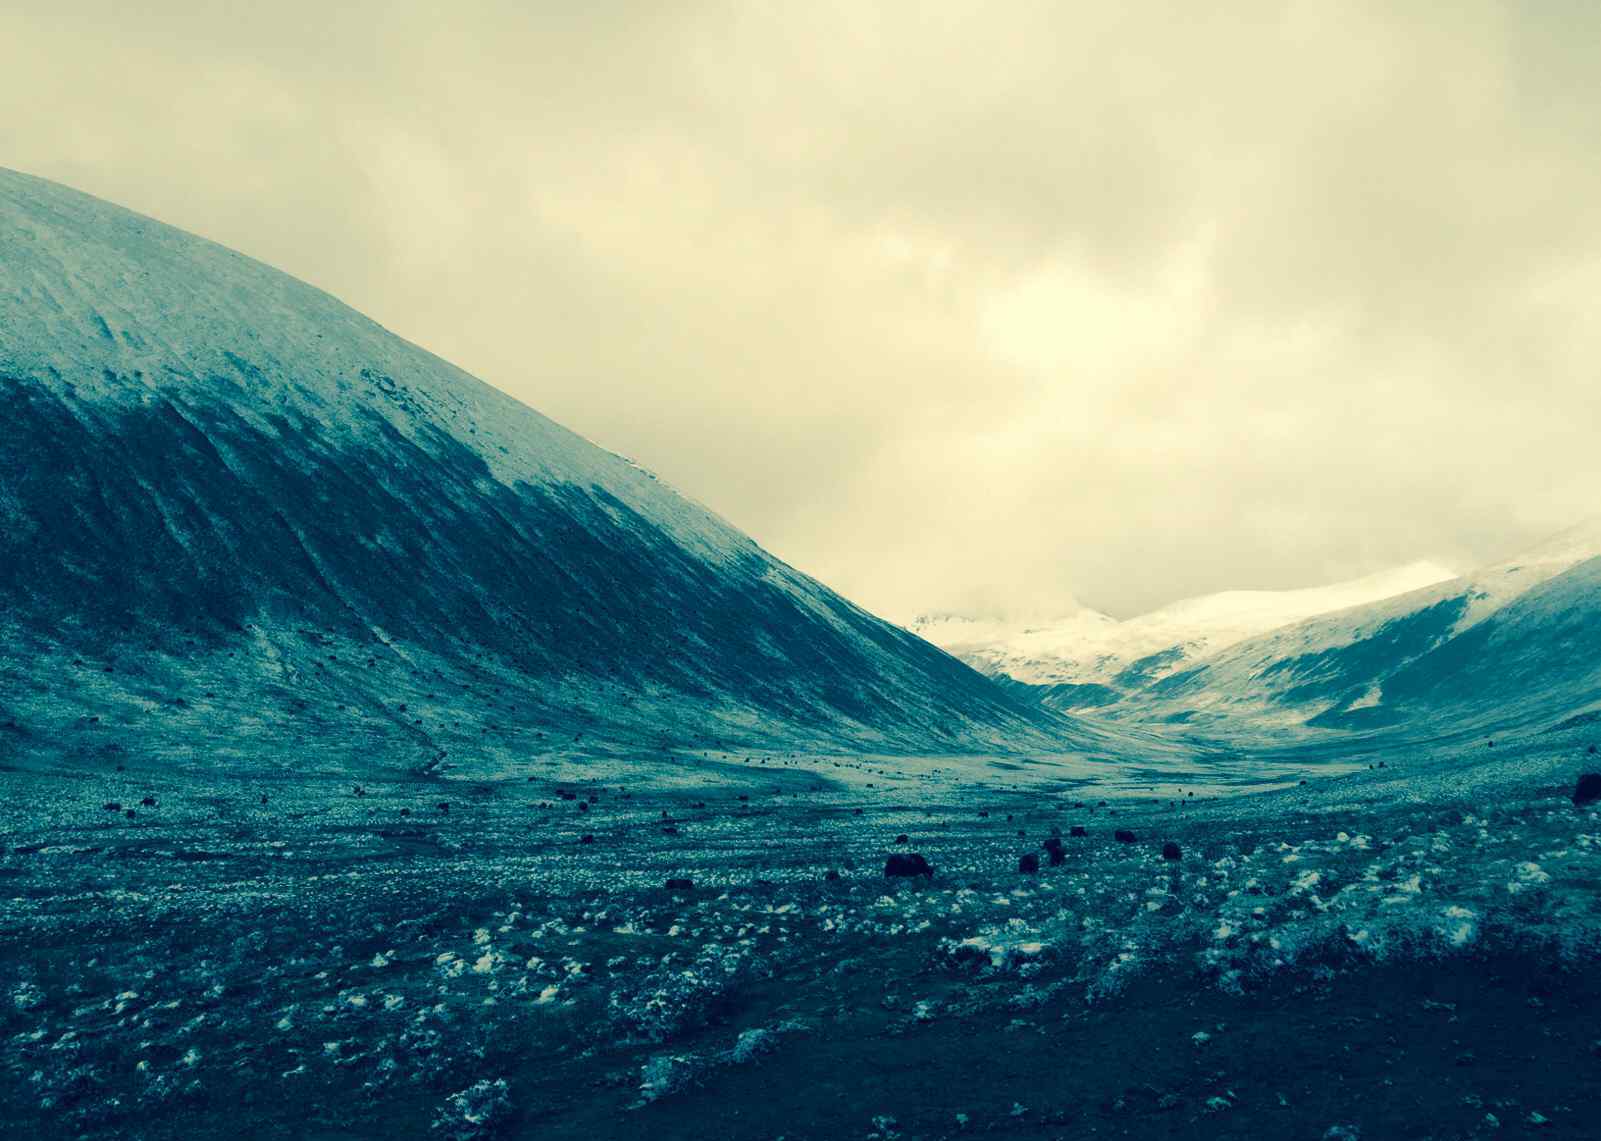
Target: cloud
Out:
[945,303]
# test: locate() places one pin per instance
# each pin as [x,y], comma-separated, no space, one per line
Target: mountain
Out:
[1087,659]
[239,520]
[1416,648]
[1515,642]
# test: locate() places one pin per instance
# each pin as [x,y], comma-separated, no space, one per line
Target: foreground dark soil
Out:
[1421,1051]
[336,963]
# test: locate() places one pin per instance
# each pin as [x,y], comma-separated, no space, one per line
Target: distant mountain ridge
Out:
[1515,642]
[235,511]
[1519,640]
[1104,656]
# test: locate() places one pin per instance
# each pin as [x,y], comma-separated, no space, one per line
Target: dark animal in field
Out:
[1124,836]
[902,839]
[444,806]
[832,875]
[680,885]
[148,802]
[1077,830]
[1053,849]
[113,806]
[1171,851]
[264,798]
[908,864]
[1028,863]
[586,838]
[1588,790]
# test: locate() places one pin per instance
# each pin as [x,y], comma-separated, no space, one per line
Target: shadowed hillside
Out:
[227,497]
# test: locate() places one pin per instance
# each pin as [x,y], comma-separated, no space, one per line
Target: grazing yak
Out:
[907,864]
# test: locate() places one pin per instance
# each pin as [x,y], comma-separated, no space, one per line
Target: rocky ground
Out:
[190,957]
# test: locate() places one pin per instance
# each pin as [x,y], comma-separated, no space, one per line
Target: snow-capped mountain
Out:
[1090,659]
[1515,642]
[1518,640]
[237,516]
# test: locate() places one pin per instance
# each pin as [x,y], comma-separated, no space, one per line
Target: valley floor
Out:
[332,964]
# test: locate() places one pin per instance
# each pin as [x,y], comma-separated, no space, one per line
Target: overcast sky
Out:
[952,305]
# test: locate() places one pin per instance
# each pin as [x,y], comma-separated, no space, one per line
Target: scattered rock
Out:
[1028,864]
[475,1112]
[1588,790]
[1171,851]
